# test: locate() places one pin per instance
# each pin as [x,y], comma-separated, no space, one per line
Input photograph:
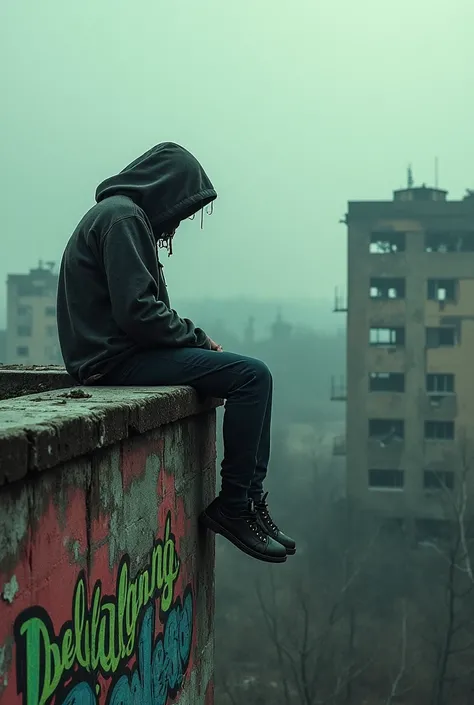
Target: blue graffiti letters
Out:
[109,638]
[160,667]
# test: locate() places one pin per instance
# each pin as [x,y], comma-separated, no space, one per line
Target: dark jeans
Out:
[245,383]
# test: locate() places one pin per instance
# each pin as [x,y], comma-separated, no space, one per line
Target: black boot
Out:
[269,526]
[244,531]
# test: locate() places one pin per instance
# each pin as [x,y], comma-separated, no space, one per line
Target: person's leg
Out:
[263,452]
[246,385]
[256,491]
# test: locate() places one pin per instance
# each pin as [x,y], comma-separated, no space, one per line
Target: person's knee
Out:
[253,377]
[261,373]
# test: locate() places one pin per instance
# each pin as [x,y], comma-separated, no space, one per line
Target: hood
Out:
[167,182]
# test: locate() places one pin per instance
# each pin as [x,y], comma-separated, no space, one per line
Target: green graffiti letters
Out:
[99,637]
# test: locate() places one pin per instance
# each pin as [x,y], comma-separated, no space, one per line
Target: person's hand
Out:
[215,346]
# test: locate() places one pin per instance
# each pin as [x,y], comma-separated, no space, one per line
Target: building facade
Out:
[32,336]
[410,344]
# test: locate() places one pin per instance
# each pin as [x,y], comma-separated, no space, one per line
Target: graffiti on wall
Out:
[127,648]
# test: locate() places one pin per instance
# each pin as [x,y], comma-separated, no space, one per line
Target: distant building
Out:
[281,330]
[32,336]
[410,343]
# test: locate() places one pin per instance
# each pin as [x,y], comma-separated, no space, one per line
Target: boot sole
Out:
[290,551]
[218,529]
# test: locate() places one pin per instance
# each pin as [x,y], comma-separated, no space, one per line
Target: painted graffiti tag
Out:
[103,636]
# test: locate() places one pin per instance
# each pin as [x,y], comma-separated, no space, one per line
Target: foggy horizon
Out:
[292,114]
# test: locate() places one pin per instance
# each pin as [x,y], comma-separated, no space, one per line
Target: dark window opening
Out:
[386,430]
[386,479]
[439,430]
[387,243]
[50,310]
[442,289]
[24,310]
[23,331]
[387,382]
[449,242]
[433,480]
[387,336]
[51,331]
[440,383]
[22,351]
[444,336]
[385,288]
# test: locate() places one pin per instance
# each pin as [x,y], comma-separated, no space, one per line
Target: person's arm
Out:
[131,267]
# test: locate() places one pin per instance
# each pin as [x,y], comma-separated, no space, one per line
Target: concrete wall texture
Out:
[106,583]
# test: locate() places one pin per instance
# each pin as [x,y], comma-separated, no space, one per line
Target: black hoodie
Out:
[112,297]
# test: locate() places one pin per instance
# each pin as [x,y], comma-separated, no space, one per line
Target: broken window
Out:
[440,384]
[449,241]
[443,479]
[445,336]
[442,289]
[386,429]
[386,479]
[439,430]
[385,288]
[387,336]
[387,382]
[386,243]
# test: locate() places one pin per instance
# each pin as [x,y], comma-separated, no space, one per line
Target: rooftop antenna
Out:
[410,177]
[436,172]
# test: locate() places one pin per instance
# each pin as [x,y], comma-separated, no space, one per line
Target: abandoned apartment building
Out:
[409,437]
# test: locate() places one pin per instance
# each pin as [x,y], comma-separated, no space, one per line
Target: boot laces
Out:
[265,514]
[252,521]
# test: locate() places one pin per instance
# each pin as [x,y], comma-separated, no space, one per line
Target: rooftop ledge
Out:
[39,431]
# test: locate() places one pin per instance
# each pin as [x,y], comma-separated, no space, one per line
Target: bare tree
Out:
[454,646]
[311,664]
[394,691]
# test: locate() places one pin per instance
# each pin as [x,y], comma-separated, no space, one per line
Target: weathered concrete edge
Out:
[92,423]
[18,381]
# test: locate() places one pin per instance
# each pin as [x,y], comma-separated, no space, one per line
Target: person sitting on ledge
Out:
[116,327]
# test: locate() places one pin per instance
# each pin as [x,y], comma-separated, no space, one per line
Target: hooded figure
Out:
[116,327]
[112,296]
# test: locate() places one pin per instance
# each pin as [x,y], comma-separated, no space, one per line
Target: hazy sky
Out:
[293,107]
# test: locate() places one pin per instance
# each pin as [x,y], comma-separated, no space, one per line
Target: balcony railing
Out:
[340,301]
[338,389]
[339,446]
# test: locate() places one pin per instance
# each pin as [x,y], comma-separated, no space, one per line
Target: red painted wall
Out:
[108,586]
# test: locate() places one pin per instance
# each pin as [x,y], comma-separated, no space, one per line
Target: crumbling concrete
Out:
[100,550]
[18,380]
[39,431]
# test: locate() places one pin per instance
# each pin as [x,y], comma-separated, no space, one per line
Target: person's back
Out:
[116,327]
[97,331]
[90,338]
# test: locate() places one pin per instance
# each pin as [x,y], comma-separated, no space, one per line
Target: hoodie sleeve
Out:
[131,268]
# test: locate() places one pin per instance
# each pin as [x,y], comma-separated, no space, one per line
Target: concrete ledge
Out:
[19,380]
[40,431]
